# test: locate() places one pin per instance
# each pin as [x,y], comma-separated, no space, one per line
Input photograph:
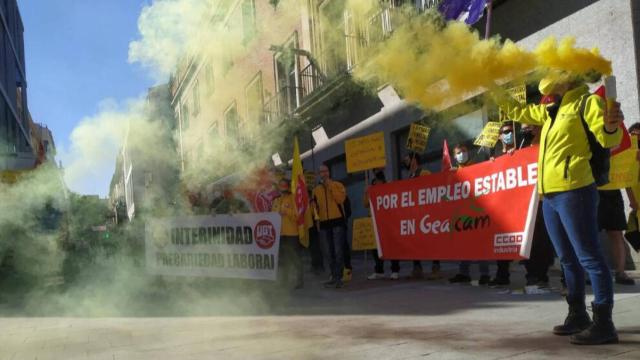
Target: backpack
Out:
[345,209]
[600,161]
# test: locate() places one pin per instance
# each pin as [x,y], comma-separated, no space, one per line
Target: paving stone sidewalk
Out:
[366,320]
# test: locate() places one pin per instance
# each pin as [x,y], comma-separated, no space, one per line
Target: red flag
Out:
[446,158]
[302,198]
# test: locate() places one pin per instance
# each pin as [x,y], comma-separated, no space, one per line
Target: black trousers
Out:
[379,267]
[503,269]
[317,263]
[542,253]
[347,251]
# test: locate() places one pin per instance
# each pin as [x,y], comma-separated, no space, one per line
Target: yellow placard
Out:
[489,135]
[624,168]
[418,136]
[519,93]
[363,236]
[310,179]
[366,152]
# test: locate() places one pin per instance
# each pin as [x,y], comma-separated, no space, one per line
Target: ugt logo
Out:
[265,234]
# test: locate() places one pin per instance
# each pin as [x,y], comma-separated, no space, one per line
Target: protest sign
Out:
[624,167]
[519,93]
[481,212]
[363,237]
[365,152]
[226,246]
[489,135]
[418,136]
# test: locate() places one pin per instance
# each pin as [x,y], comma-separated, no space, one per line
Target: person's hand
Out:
[453,168]
[511,151]
[633,204]
[492,159]
[613,117]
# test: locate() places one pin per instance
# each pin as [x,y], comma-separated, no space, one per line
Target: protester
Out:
[508,142]
[567,183]
[328,198]
[229,204]
[413,163]
[461,155]
[542,255]
[290,260]
[315,248]
[613,220]
[379,178]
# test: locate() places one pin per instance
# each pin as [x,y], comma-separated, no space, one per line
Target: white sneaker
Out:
[375,276]
[395,276]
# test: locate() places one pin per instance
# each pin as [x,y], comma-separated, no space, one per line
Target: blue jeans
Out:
[571,218]
[464,267]
[332,240]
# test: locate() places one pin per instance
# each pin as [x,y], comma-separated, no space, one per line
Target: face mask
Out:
[462,157]
[508,138]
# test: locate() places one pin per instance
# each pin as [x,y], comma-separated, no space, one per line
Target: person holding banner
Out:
[328,198]
[567,183]
[508,142]
[612,219]
[290,249]
[413,163]
[378,273]
[542,255]
[461,155]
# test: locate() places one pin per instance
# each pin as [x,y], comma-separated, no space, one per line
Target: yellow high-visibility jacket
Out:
[563,161]
[329,199]
[286,206]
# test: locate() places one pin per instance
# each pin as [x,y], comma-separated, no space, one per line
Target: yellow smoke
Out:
[434,64]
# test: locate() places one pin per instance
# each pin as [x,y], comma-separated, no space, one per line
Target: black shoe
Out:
[577,320]
[601,331]
[624,279]
[499,282]
[484,280]
[459,278]
[339,284]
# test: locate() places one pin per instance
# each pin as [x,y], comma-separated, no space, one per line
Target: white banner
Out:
[224,246]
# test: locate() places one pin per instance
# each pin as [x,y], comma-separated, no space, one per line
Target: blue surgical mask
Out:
[462,157]
[508,138]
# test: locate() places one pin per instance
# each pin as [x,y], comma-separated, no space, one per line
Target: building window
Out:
[287,80]
[332,45]
[248,20]
[231,122]
[196,97]
[255,101]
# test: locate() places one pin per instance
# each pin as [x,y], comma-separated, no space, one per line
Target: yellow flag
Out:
[299,189]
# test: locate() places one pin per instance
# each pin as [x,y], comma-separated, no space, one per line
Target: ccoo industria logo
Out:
[265,234]
[160,236]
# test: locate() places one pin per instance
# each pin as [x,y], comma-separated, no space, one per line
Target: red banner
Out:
[481,212]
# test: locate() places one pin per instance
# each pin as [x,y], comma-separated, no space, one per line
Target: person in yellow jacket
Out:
[290,260]
[328,199]
[570,197]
